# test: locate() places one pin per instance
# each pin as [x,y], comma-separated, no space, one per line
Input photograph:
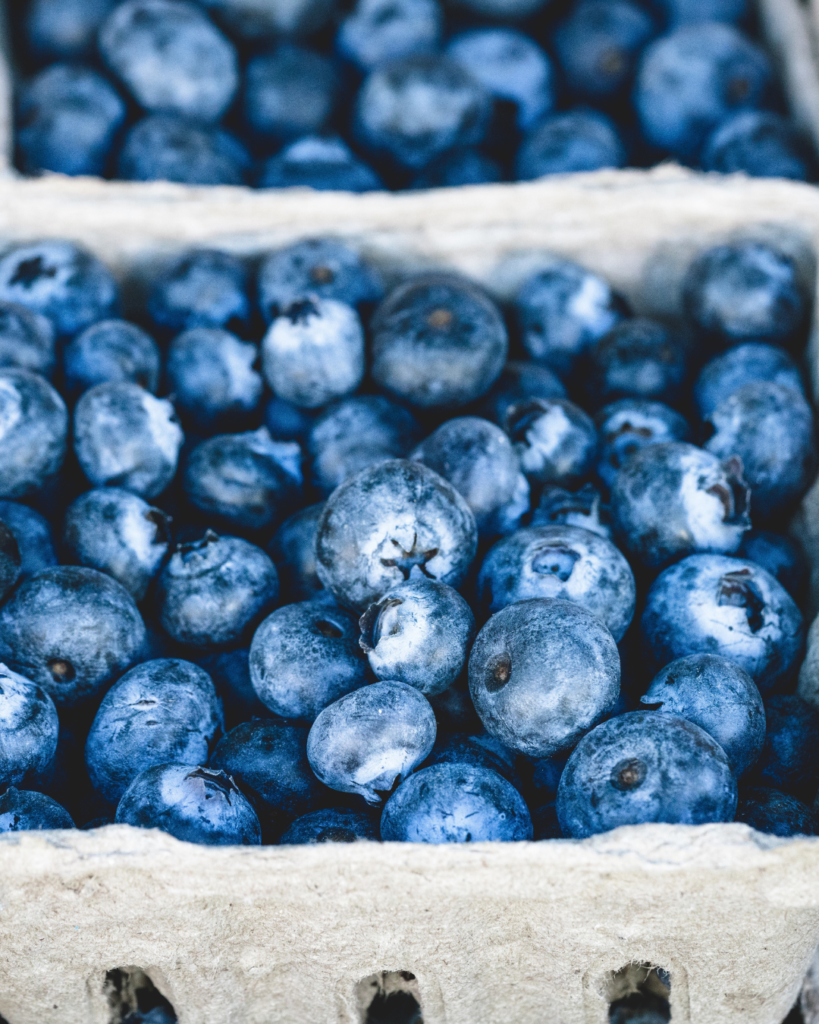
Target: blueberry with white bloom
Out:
[289,92]
[168,147]
[324,163]
[779,814]
[29,727]
[334,825]
[33,535]
[555,439]
[201,288]
[293,549]
[369,741]
[379,30]
[24,810]
[576,140]
[33,431]
[584,508]
[713,604]
[744,364]
[518,382]
[111,350]
[630,425]
[26,339]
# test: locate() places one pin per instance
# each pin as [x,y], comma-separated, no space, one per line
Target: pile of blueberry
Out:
[370,578]
[394,93]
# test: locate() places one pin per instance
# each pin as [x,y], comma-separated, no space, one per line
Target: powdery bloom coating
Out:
[33,430]
[28,730]
[555,439]
[629,425]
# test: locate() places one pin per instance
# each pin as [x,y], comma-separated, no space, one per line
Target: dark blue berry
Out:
[167,147]
[64,29]
[111,350]
[583,507]
[579,140]
[757,143]
[293,549]
[334,825]
[33,535]
[326,164]
[743,364]
[788,759]
[23,810]
[288,92]
[518,382]
[458,167]
[779,814]
[637,359]
[779,555]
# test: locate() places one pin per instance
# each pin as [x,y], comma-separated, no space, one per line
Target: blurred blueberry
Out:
[628,426]
[33,429]
[212,592]
[165,147]
[287,422]
[779,814]
[788,759]
[740,365]
[687,12]
[555,439]
[504,10]
[111,350]
[160,711]
[23,810]
[72,631]
[68,118]
[10,561]
[119,534]
[393,521]
[259,20]
[583,507]
[379,30]
[289,92]
[757,143]
[541,673]
[326,164]
[643,767]
[197,805]
[458,167]
[200,288]
[369,741]
[28,731]
[293,549]
[455,803]
[437,340]
[230,672]
[26,339]
[64,29]
[125,437]
[518,382]
[779,555]
[171,58]
[712,604]
[305,656]
[720,698]
[33,535]
[335,825]
[578,140]
[480,751]
[638,358]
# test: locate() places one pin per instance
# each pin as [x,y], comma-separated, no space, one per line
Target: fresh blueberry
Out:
[23,810]
[583,508]
[564,562]
[26,340]
[788,759]
[780,556]
[437,340]
[287,422]
[757,143]
[160,711]
[563,310]
[72,631]
[10,561]
[29,728]
[380,30]
[246,481]
[111,350]
[64,29]
[478,459]
[419,633]
[555,439]
[503,10]
[197,805]
[391,522]
[770,427]
[480,751]
[414,108]
[305,656]
[258,20]
[712,604]
[779,814]
[579,140]
[644,767]
[293,549]
[117,533]
[335,825]
[671,500]
[171,58]
[326,164]
[541,673]
[200,288]
[638,358]
[456,803]
[213,592]
[125,437]
[743,364]
[165,147]
[355,433]
[289,92]
[692,79]
[687,12]
[518,382]
[458,167]
[369,741]
[68,118]
[62,282]
[720,698]
[33,428]
[454,710]
[230,672]
[33,535]
[628,426]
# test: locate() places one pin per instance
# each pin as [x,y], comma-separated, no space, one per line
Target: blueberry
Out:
[690,80]
[213,592]
[555,439]
[166,147]
[511,67]
[355,433]
[720,698]
[289,92]
[628,426]
[68,118]
[369,741]
[712,604]
[564,562]
[33,535]
[125,437]
[599,44]
[305,656]
[744,291]
[255,20]
[247,481]
[23,810]
[503,10]
[72,631]
[29,728]
[335,825]
[287,422]
[480,751]
[414,108]
[455,803]
[391,522]
[419,633]
[437,340]
[64,29]
[316,266]
[33,427]
[685,12]
[160,711]
[518,382]
[740,365]
[326,164]
[458,167]
[111,350]
[230,672]
[788,759]
[770,427]
[779,555]
[26,340]
[759,144]
[197,805]
[541,673]
[478,459]
[637,359]
[645,767]
[10,561]
[583,508]
[578,140]
[171,58]
[200,288]
[563,310]
[779,814]
[293,549]
[380,30]
[672,500]
[62,282]
[117,533]
[314,352]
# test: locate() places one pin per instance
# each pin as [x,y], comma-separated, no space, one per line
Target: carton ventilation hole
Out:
[639,993]
[134,999]
[389,997]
